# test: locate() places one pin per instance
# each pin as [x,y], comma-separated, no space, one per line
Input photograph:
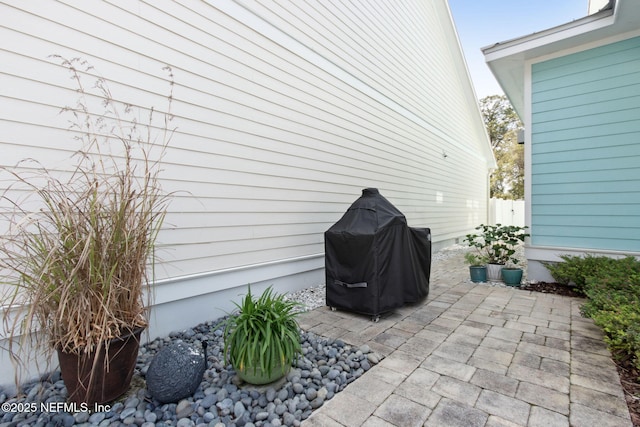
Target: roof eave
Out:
[506,60]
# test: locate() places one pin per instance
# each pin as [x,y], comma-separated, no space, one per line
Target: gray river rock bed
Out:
[325,368]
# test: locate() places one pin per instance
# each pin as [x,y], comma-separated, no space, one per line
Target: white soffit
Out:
[507,59]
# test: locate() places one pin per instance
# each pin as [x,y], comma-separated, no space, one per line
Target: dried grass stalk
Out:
[78,264]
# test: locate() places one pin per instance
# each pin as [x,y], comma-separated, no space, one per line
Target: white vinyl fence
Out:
[506,212]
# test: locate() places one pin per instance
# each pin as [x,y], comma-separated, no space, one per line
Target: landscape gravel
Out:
[324,369]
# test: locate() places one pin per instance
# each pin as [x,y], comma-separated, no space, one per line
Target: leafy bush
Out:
[496,244]
[621,325]
[577,269]
[616,283]
[612,288]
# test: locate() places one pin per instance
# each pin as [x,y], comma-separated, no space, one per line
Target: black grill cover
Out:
[375,262]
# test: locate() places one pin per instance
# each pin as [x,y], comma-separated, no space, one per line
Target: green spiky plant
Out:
[76,252]
[263,334]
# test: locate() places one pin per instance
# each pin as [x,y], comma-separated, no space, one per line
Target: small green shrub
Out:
[622,330]
[600,297]
[612,288]
[577,269]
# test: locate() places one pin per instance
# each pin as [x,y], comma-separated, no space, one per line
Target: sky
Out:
[482,23]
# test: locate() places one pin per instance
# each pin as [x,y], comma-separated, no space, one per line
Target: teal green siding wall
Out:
[585,158]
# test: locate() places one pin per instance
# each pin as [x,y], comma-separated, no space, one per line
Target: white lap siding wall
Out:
[284,111]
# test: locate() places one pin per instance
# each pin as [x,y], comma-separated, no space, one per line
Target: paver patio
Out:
[475,355]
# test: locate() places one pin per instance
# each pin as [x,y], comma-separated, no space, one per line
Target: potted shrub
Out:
[76,252]
[497,243]
[477,267]
[262,339]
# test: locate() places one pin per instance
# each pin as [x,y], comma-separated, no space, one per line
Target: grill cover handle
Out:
[350,285]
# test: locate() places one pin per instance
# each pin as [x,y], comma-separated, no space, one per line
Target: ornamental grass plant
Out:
[263,334]
[77,242]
